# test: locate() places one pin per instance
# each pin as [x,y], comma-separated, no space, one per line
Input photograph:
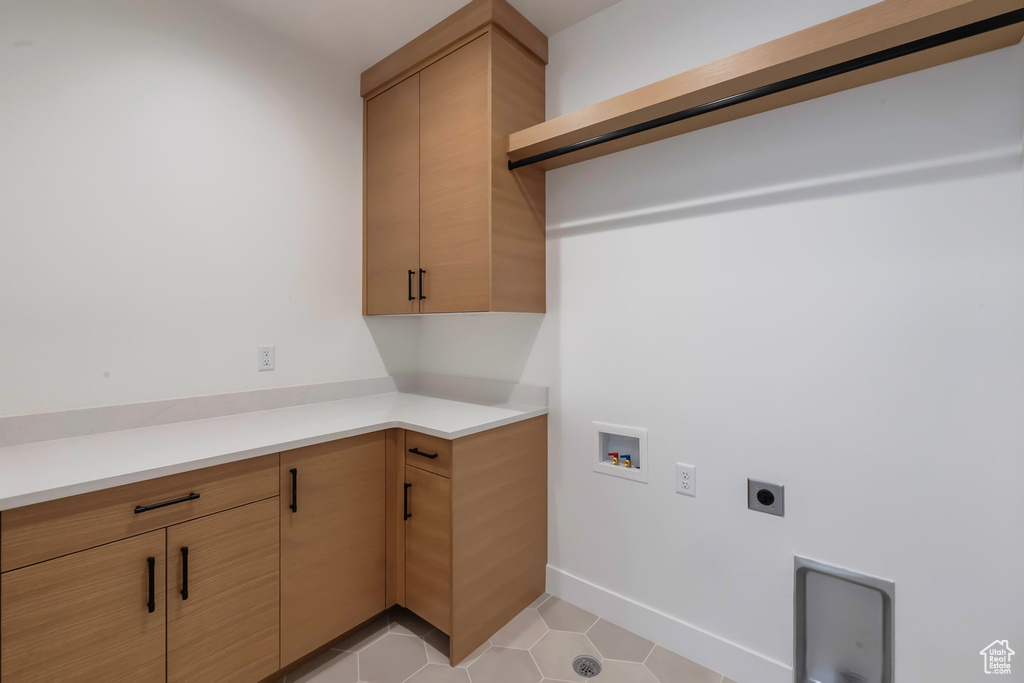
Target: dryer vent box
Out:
[844,625]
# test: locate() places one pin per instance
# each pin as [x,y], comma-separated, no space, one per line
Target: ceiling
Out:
[365,31]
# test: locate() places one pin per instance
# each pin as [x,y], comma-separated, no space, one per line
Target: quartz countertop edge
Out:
[48,470]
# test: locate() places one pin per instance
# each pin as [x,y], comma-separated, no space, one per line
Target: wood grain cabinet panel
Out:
[499,529]
[86,616]
[46,530]
[332,541]
[455,181]
[222,612]
[392,200]
[429,453]
[476,533]
[428,547]
[480,228]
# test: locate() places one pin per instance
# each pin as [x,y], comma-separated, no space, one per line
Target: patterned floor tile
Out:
[504,665]
[618,643]
[522,632]
[539,601]
[562,616]
[406,623]
[437,647]
[440,673]
[537,646]
[330,667]
[556,650]
[475,655]
[392,659]
[366,635]
[625,672]
[668,667]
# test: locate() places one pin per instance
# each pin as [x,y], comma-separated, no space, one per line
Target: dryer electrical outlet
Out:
[765,497]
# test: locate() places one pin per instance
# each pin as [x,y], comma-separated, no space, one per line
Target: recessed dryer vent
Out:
[621,451]
[844,625]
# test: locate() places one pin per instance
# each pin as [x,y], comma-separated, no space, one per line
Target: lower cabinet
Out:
[95,615]
[475,529]
[256,565]
[332,541]
[428,547]
[222,596]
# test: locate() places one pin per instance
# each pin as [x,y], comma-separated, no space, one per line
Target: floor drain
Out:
[586,666]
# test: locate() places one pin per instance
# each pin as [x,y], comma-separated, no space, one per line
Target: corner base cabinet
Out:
[240,572]
[475,526]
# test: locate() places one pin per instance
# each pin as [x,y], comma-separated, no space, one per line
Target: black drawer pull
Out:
[421,283]
[295,490]
[411,297]
[184,573]
[406,502]
[416,451]
[151,561]
[154,506]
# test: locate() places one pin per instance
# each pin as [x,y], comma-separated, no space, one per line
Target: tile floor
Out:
[537,645]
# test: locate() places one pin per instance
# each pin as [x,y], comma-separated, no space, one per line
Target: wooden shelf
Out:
[886,25]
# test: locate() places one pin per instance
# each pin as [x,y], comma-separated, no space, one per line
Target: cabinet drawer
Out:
[39,532]
[428,453]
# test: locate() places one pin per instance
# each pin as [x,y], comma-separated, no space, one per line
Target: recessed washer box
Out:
[612,438]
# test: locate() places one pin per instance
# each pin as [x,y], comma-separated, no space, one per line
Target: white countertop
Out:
[46,470]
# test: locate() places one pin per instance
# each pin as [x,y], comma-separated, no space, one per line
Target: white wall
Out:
[177,186]
[830,296]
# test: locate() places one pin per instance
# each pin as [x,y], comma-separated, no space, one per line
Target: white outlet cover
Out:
[686,479]
[264,358]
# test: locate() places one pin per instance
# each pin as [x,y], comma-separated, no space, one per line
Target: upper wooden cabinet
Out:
[448,228]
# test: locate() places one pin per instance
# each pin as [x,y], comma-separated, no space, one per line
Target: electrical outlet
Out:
[686,479]
[264,358]
[767,498]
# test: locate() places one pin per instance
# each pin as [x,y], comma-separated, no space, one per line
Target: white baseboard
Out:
[732,660]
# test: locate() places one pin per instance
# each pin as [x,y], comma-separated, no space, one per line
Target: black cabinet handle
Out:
[295,490]
[151,561]
[406,503]
[411,297]
[416,451]
[154,506]
[184,573]
[421,283]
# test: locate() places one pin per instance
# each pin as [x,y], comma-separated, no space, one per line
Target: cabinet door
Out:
[332,541]
[222,597]
[86,616]
[455,181]
[392,200]
[428,547]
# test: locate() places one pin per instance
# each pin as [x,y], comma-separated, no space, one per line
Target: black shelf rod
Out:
[896,52]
